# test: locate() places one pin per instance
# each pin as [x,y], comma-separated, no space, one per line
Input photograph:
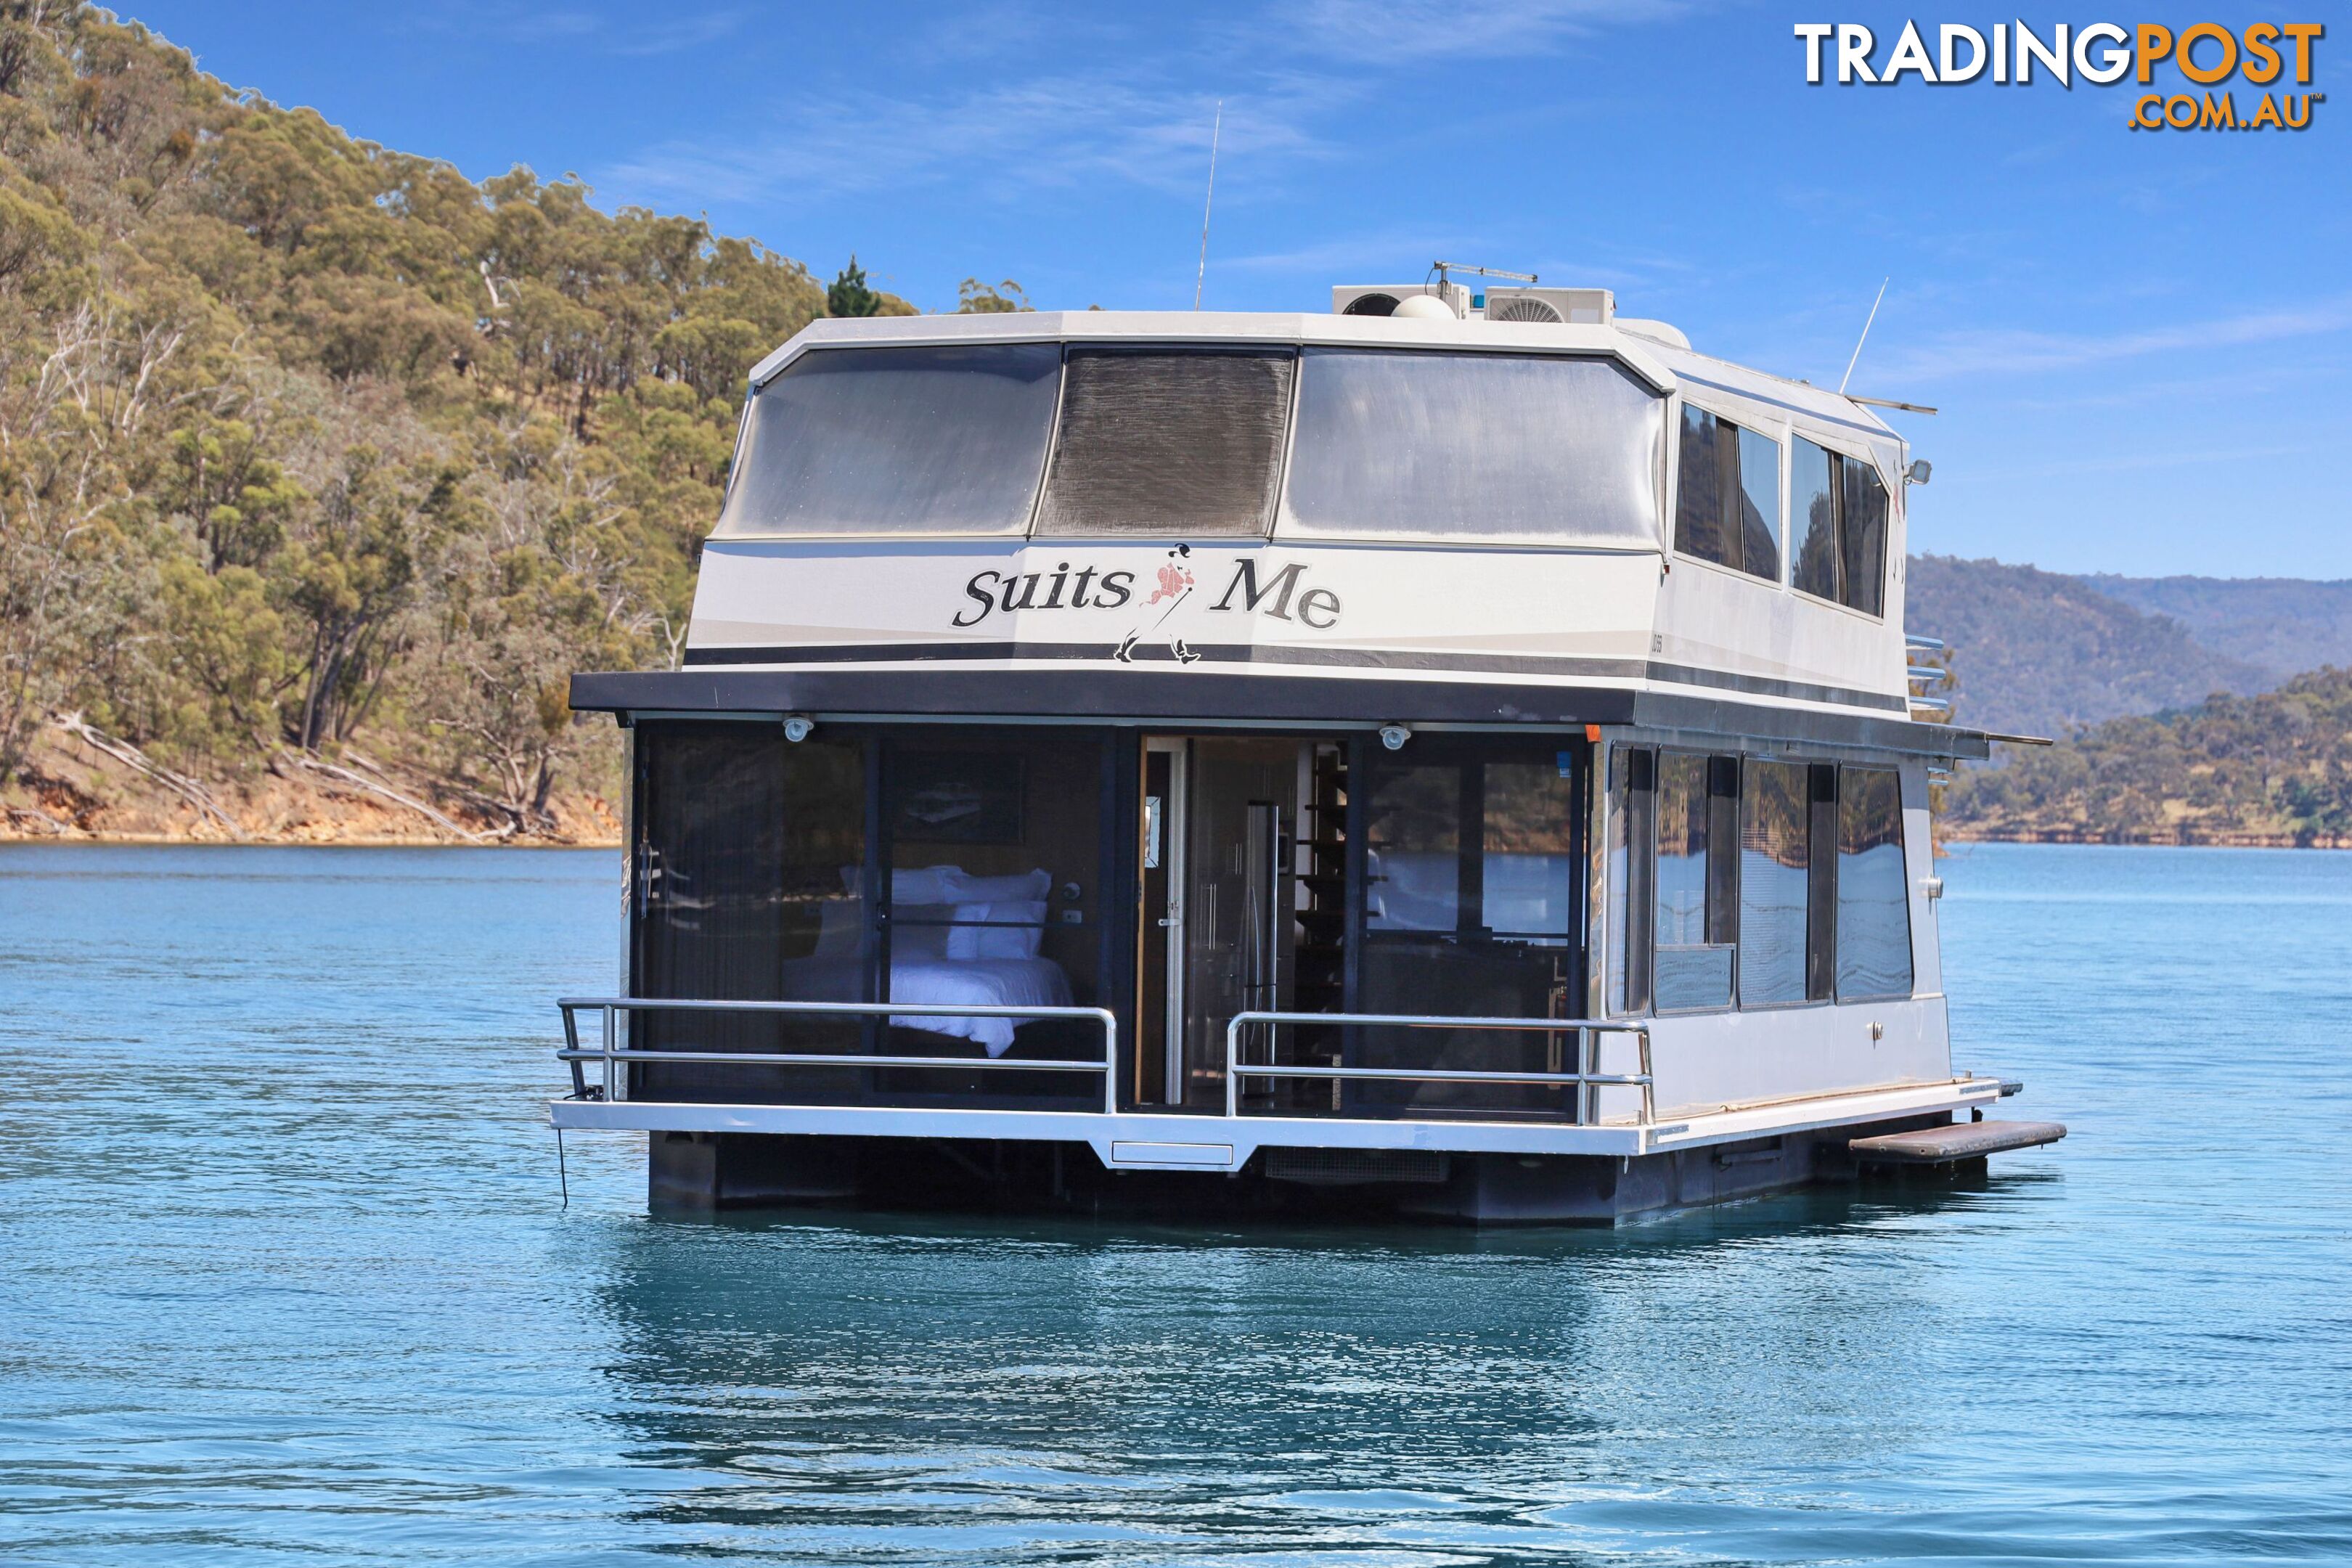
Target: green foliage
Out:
[974,298]
[2272,767]
[304,440]
[847,295]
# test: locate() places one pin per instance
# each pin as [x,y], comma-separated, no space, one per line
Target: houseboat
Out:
[1458,757]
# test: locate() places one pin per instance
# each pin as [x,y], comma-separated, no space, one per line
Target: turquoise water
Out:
[284,1278]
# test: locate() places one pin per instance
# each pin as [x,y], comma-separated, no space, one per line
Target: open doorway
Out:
[1242,903]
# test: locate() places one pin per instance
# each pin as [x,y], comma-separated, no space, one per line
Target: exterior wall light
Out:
[797,726]
[1394,736]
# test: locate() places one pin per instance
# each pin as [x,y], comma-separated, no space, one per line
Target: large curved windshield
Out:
[1512,448]
[1189,442]
[896,440]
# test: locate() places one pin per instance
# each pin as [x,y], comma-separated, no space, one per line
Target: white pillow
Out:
[911,884]
[967,942]
[965,889]
[926,939]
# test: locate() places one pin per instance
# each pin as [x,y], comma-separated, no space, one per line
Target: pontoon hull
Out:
[691,1172]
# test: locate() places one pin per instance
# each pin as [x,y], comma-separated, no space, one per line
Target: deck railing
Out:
[613,1054]
[1588,1078]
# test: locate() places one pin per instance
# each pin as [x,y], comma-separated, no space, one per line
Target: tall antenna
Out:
[1215,131]
[1862,340]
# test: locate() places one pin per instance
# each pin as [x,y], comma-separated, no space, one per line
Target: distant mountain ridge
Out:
[2283,623]
[2042,653]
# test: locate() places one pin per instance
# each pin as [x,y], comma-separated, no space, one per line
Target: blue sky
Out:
[2140,341]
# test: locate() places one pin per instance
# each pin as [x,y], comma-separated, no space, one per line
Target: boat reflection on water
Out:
[842,1385]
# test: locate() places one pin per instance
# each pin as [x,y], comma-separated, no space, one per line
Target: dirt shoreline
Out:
[2191,841]
[80,786]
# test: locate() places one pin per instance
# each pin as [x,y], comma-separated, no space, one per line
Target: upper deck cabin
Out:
[1287,732]
[1467,520]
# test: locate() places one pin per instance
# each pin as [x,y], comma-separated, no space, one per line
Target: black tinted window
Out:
[1862,530]
[1727,497]
[1183,443]
[1704,475]
[1844,504]
[1813,496]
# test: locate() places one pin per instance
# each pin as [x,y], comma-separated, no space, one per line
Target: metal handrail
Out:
[1588,1032]
[612,1051]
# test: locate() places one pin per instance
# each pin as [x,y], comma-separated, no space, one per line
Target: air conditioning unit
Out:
[1552,307]
[1382,299]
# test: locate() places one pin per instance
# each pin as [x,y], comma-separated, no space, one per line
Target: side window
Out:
[1695,921]
[1633,845]
[1873,905]
[1812,497]
[1776,864]
[1843,504]
[1759,505]
[1861,531]
[1727,497]
[1788,883]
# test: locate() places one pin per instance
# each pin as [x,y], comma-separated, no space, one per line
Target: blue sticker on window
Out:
[1566,762]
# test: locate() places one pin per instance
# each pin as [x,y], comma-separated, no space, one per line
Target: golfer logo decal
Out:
[1175,586]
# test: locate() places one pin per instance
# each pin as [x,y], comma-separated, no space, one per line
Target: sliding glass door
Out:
[1473,906]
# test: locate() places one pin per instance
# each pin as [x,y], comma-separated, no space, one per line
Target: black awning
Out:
[1195,696]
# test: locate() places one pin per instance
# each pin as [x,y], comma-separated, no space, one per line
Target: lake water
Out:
[284,1276]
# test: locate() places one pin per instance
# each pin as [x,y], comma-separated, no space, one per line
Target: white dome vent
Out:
[1397,299]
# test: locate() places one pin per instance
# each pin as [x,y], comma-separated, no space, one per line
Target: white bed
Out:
[975,982]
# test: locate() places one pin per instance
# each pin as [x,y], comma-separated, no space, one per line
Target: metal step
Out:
[1960,1141]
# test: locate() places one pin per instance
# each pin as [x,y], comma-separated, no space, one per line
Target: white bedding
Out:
[981,982]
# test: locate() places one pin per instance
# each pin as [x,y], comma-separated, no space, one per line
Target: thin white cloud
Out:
[1141,125]
[1395,255]
[2013,352]
[1402,32]
[543,27]
[677,33]
[1051,131]
[2128,462]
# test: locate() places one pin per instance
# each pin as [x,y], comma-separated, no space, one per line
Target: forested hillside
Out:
[320,462]
[2274,768]
[2038,653]
[2281,624]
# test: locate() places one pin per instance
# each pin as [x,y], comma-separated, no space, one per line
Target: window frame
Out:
[1628,958]
[1021,535]
[1837,900]
[1662,477]
[1169,347]
[1661,539]
[1889,554]
[1780,433]
[1721,883]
